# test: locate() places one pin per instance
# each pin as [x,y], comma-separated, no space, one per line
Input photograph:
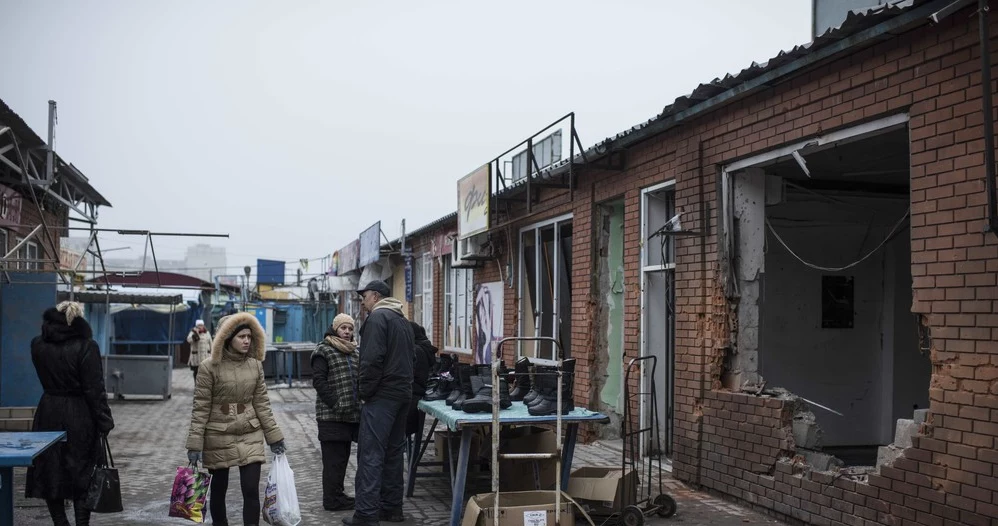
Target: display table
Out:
[466,423]
[16,450]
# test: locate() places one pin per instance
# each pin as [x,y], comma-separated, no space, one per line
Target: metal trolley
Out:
[496,361]
[644,505]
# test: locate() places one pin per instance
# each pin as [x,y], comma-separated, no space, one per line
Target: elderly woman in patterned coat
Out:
[232,418]
[337,408]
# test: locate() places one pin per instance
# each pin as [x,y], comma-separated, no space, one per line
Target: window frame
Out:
[453,311]
[427,275]
[556,222]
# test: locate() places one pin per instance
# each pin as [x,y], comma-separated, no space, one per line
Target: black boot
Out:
[540,373]
[465,372]
[81,512]
[482,401]
[549,397]
[522,385]
[455,372]
[57,509]
[445,384]
[545,382]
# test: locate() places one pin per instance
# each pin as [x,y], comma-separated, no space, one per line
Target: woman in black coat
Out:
[425,355]
[68,364]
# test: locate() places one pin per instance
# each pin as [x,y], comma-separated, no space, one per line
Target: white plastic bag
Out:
[280,502]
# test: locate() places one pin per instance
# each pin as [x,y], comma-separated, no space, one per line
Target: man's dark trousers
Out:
[380,448]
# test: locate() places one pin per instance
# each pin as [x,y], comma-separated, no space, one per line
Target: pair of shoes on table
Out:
[542,400]
[479,399]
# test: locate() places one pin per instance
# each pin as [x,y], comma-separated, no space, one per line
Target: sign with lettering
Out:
[10,207]
[349,257]
[474,191]
[408,279]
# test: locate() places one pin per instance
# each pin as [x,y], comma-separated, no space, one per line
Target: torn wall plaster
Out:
[750,259]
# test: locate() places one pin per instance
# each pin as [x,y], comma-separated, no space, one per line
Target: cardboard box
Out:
[603,490]
[526,508]
[527,475]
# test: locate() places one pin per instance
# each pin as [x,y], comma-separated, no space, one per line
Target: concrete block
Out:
[807,434]
[886,455]
[22,412]
[921,415]
[821,461]
[16,424]
[904,431]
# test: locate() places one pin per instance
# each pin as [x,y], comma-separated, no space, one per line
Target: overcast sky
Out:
[293,126]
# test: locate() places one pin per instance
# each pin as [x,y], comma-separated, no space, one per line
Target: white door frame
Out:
[644,270]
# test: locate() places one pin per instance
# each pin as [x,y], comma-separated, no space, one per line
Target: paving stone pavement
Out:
[148,445]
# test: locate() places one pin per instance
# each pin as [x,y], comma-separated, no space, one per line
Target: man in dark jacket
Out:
[426,356]
[384,383]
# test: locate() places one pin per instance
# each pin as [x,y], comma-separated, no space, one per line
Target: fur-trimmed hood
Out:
[56,330]
[227,329]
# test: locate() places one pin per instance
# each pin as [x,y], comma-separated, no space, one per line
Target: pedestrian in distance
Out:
[68,364]
[232,418]
[200,341]
[384,385]
[335,364]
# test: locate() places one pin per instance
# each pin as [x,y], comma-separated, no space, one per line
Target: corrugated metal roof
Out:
[29,139]
[856,21]
[706,97]
[427,227]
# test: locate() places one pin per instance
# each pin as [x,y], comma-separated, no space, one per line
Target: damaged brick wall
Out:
[949,473]
[750,454]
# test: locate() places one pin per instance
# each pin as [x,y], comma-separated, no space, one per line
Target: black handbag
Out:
[104,493]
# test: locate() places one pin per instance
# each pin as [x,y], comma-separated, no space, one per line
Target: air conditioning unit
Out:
[470,252]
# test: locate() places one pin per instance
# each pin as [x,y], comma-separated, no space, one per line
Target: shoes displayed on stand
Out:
[541,372]
[482,401]
[546,403]
[464,374]
[521,372]
[442,379]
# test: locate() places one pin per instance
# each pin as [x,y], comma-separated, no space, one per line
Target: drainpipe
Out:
[986,108]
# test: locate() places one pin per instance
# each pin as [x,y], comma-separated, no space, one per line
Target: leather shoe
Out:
[392,516]
[354,521]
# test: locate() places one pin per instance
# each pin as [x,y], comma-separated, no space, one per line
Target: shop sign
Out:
[370,246]
[349,257]
[408,279]
[473,195]
[442,242]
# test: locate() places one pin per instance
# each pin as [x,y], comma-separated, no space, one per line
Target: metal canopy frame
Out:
[536,177]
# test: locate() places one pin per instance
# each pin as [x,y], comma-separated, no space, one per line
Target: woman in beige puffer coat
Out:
[232,416]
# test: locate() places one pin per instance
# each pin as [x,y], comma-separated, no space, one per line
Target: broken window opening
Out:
[823,263]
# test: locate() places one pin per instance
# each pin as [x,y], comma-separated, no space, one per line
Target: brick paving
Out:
[148,444]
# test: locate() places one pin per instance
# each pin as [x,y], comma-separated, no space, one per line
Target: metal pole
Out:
[987,110]
[402,249]
[50,147]
[530,167]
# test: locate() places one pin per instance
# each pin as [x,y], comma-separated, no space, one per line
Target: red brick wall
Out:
[54,214]
[950,475]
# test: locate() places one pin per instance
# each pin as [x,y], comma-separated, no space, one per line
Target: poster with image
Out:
[488,320]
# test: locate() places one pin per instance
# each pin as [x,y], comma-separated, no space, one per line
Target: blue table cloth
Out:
[19,449]
[455,419]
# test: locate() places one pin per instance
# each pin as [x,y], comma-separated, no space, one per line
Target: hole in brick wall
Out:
[824,273]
